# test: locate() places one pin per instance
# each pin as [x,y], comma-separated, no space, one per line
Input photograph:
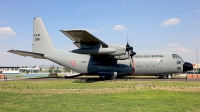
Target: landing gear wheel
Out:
[169,76]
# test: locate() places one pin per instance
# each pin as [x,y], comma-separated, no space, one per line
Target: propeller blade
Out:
[132,53]
[128,54]
[130,59]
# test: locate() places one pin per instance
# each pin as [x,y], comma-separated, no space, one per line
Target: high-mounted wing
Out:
[83,37]
[89,44]
[25,53]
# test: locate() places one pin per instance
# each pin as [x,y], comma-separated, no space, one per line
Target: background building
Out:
[196,67]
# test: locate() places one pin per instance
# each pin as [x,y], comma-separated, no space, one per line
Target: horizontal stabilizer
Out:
[25,53]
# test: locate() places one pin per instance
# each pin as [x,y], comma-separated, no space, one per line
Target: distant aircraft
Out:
[94,57]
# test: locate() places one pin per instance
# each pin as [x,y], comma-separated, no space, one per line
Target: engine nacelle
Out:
[122,57]
[120,50]
[94,51]
[97,49]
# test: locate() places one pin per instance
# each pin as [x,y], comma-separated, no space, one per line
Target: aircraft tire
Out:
[169,76]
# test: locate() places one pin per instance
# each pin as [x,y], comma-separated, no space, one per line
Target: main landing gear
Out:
[107,77]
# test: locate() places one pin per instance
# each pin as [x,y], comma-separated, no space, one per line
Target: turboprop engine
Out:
[129,53]
[112,50]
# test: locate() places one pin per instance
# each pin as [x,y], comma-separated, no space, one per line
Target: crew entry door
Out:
[84,65]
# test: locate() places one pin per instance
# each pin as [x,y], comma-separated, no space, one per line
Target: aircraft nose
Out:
[187,67]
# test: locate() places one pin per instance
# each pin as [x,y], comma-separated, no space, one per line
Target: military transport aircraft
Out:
[94,57]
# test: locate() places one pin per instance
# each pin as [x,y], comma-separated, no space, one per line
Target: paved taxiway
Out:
[89,78]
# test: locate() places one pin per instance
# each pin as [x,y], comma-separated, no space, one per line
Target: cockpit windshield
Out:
[178,57]
[175,56]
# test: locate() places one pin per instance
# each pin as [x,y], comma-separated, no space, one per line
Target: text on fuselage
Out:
[149,56]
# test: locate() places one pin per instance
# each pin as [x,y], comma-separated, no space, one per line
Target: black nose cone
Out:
[187,67]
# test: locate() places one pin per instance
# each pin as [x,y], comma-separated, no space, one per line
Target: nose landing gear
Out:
[169,76]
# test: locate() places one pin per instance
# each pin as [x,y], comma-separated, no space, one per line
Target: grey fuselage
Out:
[142,63]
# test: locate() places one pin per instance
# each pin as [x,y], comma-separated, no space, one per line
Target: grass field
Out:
[102,96]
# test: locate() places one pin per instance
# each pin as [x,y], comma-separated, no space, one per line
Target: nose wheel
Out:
[169,76]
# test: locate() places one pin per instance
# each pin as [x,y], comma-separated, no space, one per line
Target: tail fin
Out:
[41,40]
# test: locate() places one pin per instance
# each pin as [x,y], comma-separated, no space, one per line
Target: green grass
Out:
[122,96]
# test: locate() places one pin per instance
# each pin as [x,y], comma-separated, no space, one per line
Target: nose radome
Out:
[187,67]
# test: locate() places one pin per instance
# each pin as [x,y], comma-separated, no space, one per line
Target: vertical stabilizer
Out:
[41,40]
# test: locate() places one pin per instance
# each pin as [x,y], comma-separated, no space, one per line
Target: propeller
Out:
[129,49]
[131,53]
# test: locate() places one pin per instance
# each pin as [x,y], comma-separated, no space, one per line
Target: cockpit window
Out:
[178,62]
[175,56]
[178,57]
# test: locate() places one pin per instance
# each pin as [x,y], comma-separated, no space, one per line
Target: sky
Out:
[151,25]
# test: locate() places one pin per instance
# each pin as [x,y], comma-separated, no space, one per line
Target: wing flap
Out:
[25,53]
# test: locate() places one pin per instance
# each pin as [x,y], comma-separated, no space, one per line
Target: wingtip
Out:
[10,50]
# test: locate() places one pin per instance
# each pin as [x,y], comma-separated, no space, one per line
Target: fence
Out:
[193,77]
